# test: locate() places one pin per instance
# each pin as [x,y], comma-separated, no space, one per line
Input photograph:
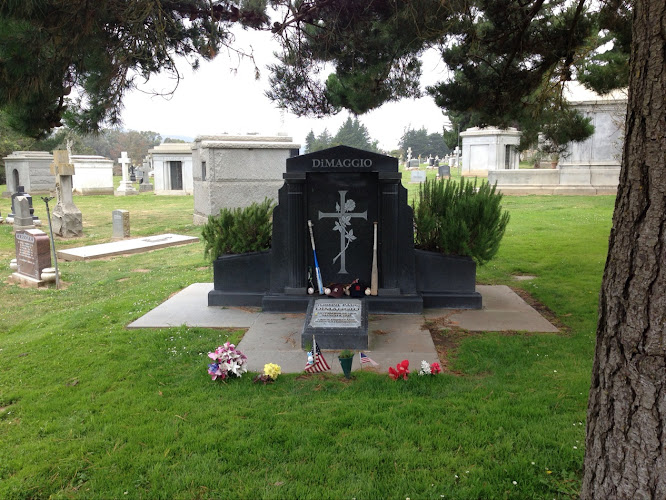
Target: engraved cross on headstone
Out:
[344,213]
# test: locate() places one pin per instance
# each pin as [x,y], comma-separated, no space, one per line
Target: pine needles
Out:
[459,219]
[239,230]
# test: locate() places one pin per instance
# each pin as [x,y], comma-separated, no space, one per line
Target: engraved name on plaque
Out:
[336,313]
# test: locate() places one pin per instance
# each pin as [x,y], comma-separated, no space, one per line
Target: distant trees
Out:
[423,143]
[351,133]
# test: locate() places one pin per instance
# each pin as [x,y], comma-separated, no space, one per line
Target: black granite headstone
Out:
[343,191]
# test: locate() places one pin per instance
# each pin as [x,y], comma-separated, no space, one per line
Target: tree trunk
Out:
[625,445]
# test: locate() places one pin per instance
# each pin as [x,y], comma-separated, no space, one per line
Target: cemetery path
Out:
[275,337]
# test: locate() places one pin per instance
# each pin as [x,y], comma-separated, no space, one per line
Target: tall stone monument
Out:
[67,219]
[125,188]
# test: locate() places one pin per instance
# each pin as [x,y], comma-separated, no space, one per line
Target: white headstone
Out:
[125,186]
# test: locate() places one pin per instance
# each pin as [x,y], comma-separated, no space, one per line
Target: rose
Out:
[435,368]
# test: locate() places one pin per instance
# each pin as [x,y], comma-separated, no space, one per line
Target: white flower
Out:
[425,368]
[514,482]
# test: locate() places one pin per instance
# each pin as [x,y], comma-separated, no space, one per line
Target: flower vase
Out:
[346,364]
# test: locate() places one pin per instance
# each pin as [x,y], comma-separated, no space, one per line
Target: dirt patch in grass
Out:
[446,338]
[140,270]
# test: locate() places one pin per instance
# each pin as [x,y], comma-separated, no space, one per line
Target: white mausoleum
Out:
[32,170]
[589,167]
[234,171]
[489,148]
[172,168]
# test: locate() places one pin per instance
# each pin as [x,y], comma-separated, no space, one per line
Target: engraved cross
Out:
[344,213]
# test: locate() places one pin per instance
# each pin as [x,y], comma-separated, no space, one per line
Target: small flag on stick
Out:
[366,359]
[320,364]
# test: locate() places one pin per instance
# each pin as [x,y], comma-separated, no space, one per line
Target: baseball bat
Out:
[374,279]
[320,283]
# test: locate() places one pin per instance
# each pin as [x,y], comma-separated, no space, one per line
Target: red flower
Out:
[400,370]
[435,368]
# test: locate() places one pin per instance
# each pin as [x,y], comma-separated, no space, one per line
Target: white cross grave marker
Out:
[125,186]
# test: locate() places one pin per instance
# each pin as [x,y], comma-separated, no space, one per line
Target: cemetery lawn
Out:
[90,409]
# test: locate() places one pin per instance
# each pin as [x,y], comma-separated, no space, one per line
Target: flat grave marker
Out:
[336,324]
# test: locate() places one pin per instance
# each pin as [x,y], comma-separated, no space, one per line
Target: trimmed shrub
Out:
[240,230]
[458,219]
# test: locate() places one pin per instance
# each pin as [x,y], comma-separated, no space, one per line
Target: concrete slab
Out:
[189,307]
[124,247]
[503,310]
[275,337]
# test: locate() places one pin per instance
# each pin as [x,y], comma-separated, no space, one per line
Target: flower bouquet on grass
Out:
[271,372]
[227,361]
[400,371]
[429,369]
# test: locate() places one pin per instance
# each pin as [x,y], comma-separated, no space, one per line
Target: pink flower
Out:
[435,368]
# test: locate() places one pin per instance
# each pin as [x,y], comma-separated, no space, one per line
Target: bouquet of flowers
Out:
[227,361]
[400,370]
[429,369]
[271,372]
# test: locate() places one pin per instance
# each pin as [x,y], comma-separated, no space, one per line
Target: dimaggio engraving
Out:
[338,163]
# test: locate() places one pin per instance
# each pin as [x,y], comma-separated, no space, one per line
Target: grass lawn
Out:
[89,409]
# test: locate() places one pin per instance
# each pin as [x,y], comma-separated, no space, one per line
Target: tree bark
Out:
[625,444]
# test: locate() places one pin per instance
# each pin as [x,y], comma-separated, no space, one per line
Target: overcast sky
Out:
[215,100]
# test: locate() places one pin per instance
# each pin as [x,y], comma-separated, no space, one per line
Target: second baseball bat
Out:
[374,278]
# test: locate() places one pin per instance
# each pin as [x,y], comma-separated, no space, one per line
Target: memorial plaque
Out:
[334,313]
[336,324]
[33,252]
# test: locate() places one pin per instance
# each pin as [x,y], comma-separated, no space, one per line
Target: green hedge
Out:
[239,230]
[456,218]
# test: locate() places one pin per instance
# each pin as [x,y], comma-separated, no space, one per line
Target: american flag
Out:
[366,359]
[320,364]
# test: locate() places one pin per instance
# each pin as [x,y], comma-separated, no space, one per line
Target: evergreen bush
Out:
[458,219]
[239,230]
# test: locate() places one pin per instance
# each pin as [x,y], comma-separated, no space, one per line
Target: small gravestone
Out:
[145,184]
[336,324]
[22,217]
[20,191]
[418,176]
[67,218]
[121,224]
[444,171]
[33,255]
[413,164]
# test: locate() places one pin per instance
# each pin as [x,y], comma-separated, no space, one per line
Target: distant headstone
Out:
[132,174]
[413,164]
[125,187]
[431,161]
[121,224]
[336,324]
[67,218]
[22,217]
[33,255]
[418,176]
[444,171]
[145,184]
[20,191]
